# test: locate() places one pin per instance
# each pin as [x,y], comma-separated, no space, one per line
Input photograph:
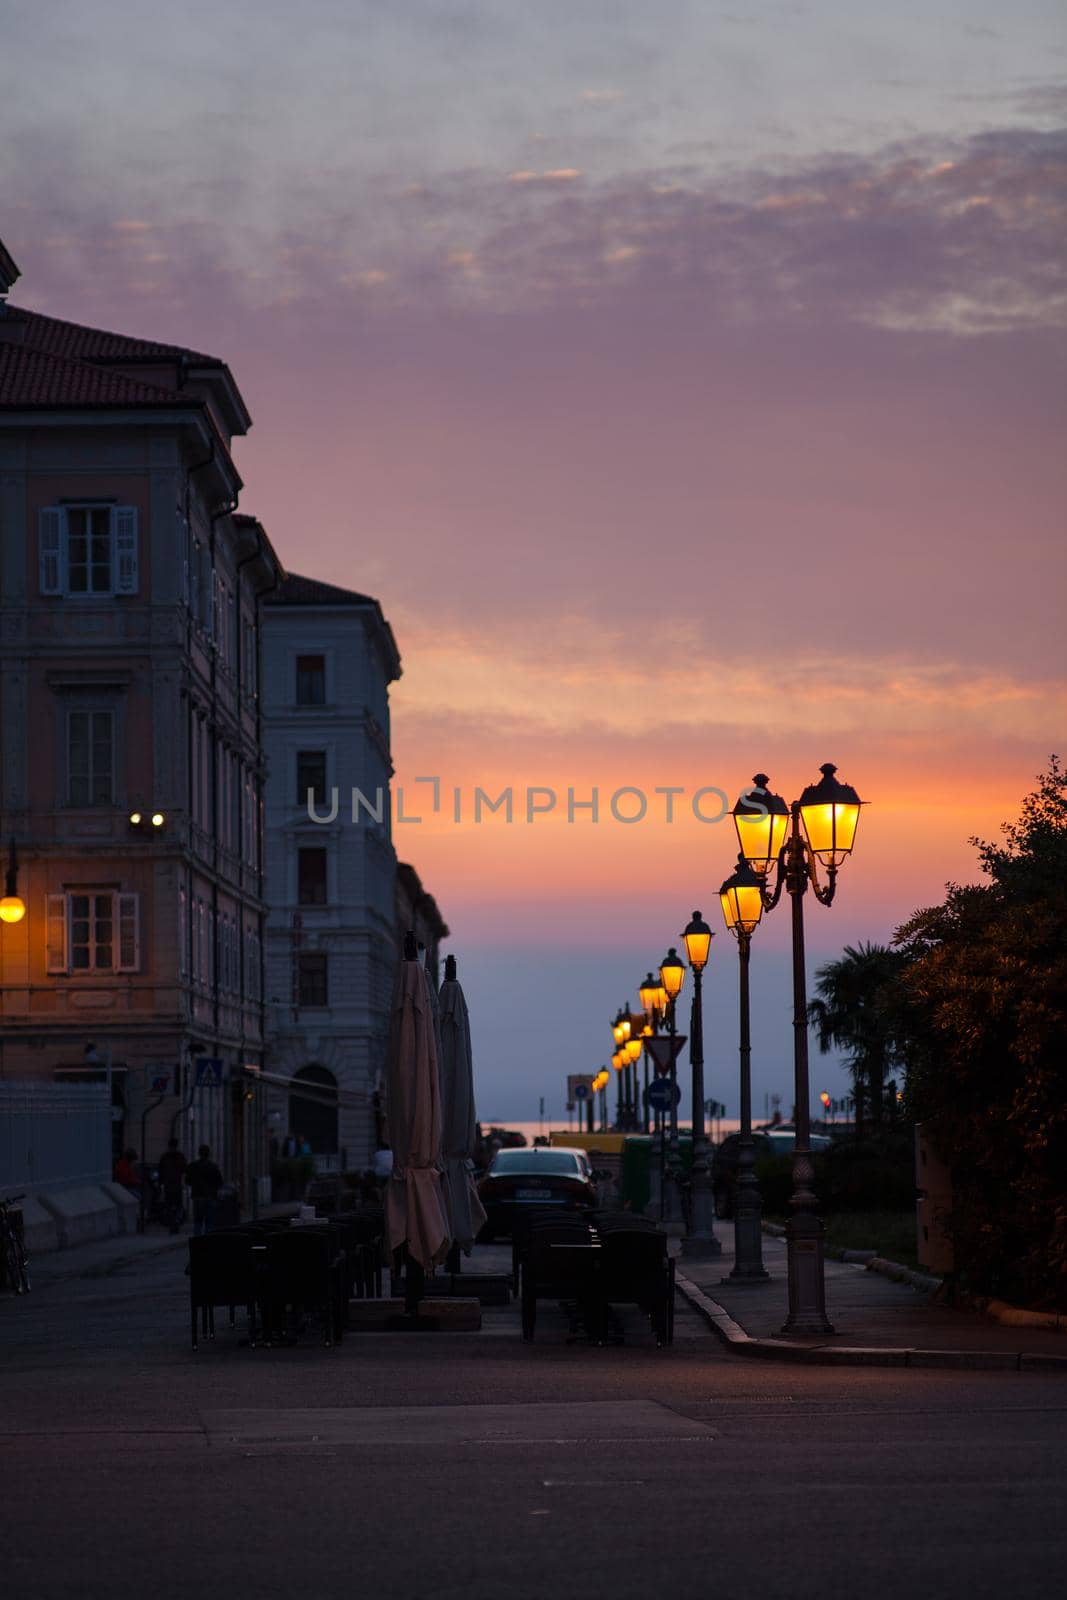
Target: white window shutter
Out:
[49,549]
[125,526]
[129,932]
[56,933]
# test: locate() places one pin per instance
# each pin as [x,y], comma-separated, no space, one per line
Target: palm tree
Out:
[852,1014]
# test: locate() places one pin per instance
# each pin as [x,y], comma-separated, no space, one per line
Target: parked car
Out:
[518,1179]
[765,1142]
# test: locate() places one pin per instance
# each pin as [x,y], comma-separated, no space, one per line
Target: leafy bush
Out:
[874,1173]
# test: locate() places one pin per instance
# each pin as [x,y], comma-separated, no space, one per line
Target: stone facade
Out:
[329,657]
[129,664]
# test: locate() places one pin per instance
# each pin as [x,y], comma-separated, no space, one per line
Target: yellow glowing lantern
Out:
[762,822]
[624,1024]
[12,906]
[647,992]
[741,898]
[616,1032]
[633,1049]
[661,998]
[830,811]
[672,974]
[697,937]
[157,819]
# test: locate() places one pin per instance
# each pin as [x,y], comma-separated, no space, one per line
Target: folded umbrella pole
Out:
[466,1215]
[416,1220]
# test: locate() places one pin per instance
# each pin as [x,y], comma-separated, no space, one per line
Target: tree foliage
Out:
[980,1008]
[854,1013]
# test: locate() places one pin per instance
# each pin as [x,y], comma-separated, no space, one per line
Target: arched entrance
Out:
[313,1116]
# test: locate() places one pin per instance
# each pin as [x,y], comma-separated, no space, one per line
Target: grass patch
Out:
[891,1233]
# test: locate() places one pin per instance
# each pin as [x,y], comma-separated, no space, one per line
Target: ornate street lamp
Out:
[671,977]
[649,993]
[618,1060]
[633,1049]
[700,1239]
[741,898]
[12,906]
[822,832]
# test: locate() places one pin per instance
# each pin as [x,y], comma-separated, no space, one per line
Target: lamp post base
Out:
[805,1249]
[673,1215]
[700,1242]
[748,1251]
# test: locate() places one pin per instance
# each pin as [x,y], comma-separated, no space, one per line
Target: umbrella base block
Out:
[434,1314]
[490,1288]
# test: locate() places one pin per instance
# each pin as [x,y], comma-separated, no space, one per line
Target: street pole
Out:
[748,1204]
[700,1240]
[805,1242]
[672,1185]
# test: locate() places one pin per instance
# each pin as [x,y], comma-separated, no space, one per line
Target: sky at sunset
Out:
[686,380]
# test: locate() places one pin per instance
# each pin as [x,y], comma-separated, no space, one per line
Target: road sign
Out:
[661,1094]
[581,1091]
[160,1082]
[209,1072]
[659,1048]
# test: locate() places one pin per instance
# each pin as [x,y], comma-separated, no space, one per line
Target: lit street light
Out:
[12,906]
[741,898]
[821,833]
[700,1239]
[672,976]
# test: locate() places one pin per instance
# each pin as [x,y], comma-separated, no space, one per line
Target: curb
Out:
[824,1355]
[872,1261]
[101,1269]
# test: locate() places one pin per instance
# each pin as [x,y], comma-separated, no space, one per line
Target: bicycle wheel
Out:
[12,1265]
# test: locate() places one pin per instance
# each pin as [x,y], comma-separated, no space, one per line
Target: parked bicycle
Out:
[12,1250]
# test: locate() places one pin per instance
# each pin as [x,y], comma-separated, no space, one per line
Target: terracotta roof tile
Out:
[78,343]
[31,377]
[298,591]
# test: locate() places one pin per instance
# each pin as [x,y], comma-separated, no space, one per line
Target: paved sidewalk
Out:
[877,1322]
[100,1257]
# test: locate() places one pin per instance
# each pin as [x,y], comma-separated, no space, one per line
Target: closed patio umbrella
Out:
[414,1209]
[465,1212]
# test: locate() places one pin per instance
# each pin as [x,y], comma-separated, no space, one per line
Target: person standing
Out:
[126,1171]
[172,1169]
[204,1180]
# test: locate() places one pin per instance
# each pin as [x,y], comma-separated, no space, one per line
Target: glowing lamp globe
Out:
[830,812]
[741,898]
[672,974]
[762,822]
[697,938]
[12,908]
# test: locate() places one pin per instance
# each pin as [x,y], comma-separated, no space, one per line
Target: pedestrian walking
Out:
[204,1180]
[172,1170]
[126,1171]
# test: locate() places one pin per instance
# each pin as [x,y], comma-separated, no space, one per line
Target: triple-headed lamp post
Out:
[741,898]
[700,1238]
[821,829]
[671,977]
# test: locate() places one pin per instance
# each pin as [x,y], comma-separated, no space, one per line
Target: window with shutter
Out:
[125,526]
[56,933]
[49,550]
[183,932]
[129,932]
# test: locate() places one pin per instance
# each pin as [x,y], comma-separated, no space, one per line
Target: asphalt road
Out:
[471,1465]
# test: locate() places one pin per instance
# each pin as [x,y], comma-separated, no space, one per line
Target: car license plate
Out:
[533,1194]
